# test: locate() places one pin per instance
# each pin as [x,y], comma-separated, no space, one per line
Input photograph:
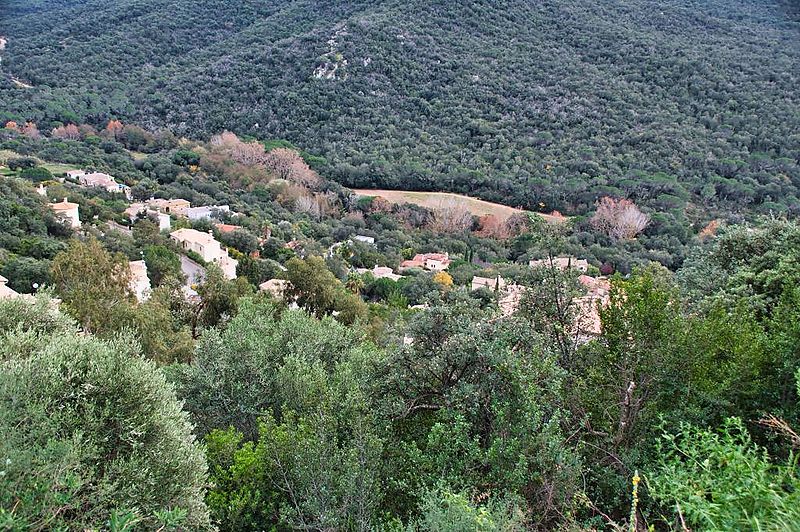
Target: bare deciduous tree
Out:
[31,131]
[380,204]
[287,164]
[493,226]
[68,132]
[245,153]
[451,216]
[620,218]
[308,205]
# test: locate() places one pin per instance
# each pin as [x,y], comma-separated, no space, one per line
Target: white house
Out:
[208,248]
[75,174]
[365,239]
[140,282]
[100,180]
[206,212]
[5,291]
[133,212]
[67,212]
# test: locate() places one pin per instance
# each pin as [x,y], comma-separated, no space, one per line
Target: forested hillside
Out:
[547,105]
[210,319]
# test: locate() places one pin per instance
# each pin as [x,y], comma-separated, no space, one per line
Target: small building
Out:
[140,282]
[5,291]
[412,264]
[100,180]
[587,321]
[41,190]
[276,287]
[136,209]
[492,283]
[510,298]
[380,272]
[435,262]
[174,207]
[205,245]
[365,239]
[67,212]
[206,212]
[598,286]
[561,263]
[509,295]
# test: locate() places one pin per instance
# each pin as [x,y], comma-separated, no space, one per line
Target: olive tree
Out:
[91,431]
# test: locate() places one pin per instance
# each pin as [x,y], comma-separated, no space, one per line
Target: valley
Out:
[399,265]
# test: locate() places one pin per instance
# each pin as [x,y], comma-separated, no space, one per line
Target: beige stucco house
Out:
[67,212]
[205,245]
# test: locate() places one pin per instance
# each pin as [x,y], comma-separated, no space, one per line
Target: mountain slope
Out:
[550,103]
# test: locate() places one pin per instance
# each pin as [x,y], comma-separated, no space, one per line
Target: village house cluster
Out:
[161,211]
[207,248]
[587,321]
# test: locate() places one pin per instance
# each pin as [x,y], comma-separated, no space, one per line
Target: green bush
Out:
[90,429]
[444,511]
[36,174]
[724,481]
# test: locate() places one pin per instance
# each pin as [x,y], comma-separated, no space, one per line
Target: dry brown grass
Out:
[432,200]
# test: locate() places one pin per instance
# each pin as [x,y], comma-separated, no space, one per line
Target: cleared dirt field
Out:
[432,200]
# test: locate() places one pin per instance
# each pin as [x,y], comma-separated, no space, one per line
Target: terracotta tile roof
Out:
[227,228]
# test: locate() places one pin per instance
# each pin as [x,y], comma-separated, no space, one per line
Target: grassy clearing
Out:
[137,155]
[58,168]
[55,168]
[432,200]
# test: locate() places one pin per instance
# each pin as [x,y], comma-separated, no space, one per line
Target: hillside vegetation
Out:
[491,396]
[547,105]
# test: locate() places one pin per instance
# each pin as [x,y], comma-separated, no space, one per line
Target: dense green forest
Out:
[547,105]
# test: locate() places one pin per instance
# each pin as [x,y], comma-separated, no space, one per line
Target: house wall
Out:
[435,265]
